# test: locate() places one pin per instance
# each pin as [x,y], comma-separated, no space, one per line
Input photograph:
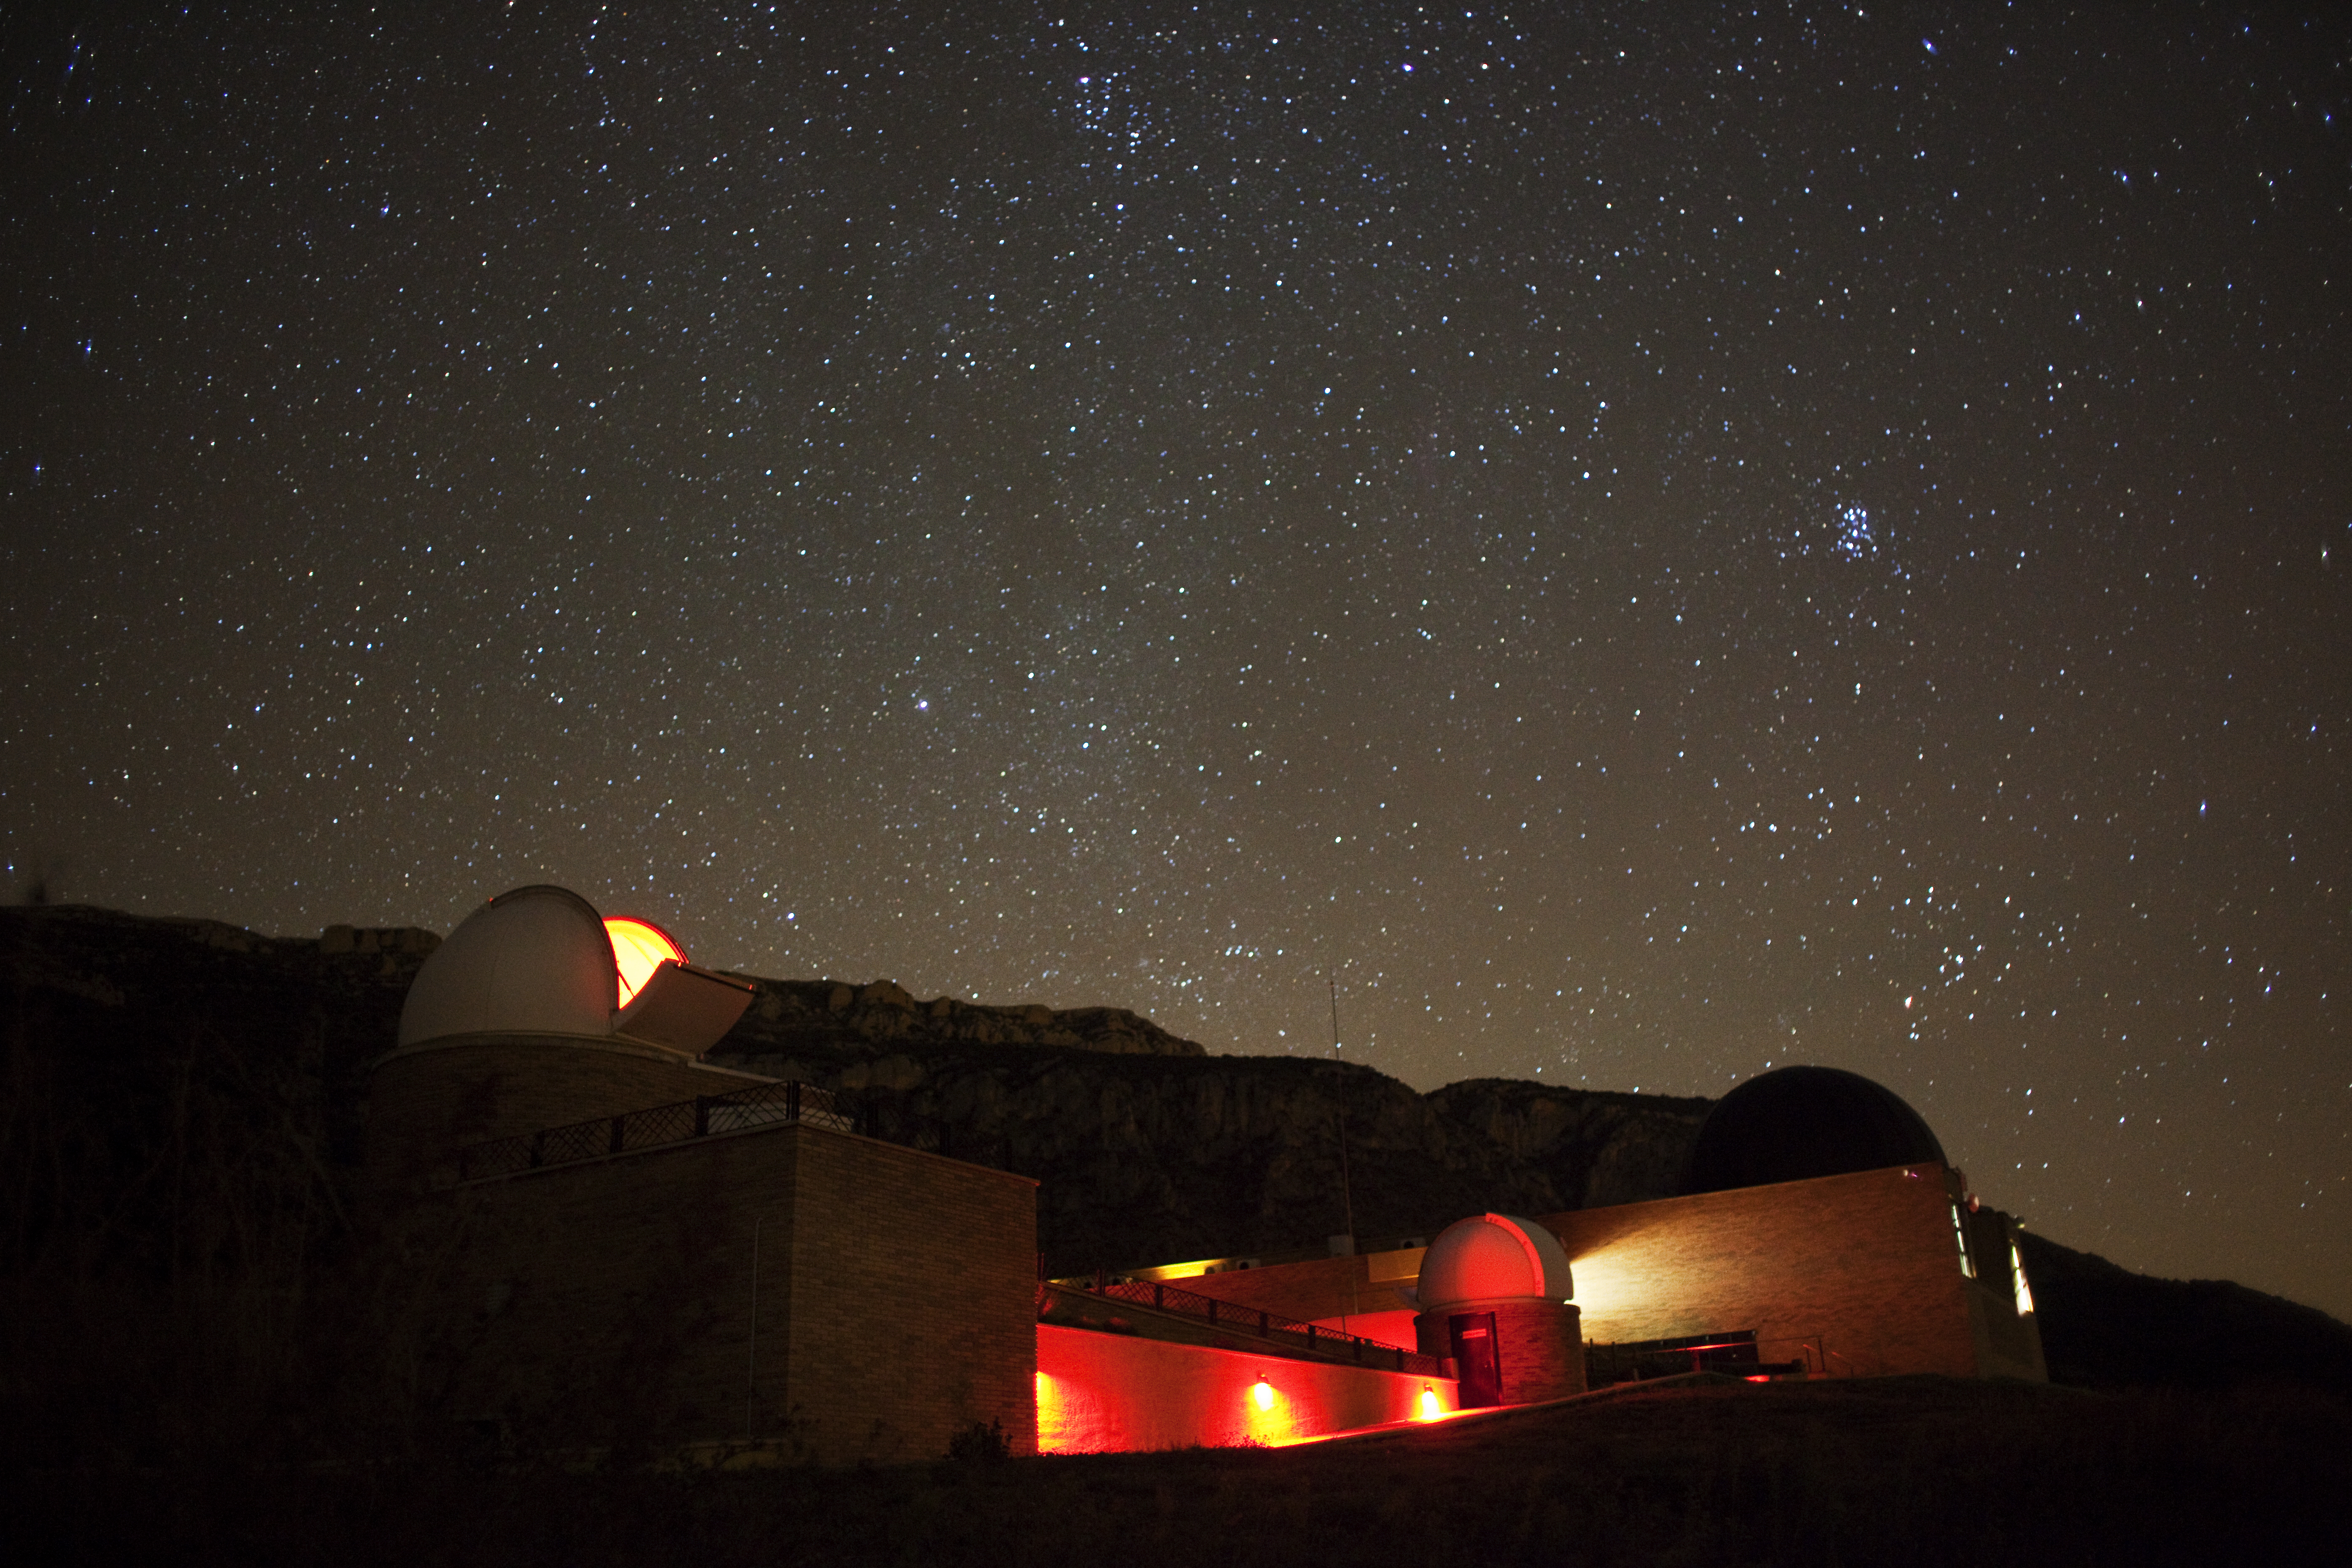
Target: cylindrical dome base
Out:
[1513,1351]
[427,1102]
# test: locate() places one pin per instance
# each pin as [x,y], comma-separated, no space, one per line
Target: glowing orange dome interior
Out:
[639,947]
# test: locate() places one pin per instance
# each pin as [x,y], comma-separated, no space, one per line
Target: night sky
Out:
[1643,545]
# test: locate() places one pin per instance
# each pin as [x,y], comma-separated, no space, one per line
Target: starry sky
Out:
[1634,544]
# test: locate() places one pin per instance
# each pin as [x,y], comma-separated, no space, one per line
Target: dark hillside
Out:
[182,1119]
[2106,1327]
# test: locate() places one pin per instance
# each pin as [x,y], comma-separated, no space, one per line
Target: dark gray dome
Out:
[1795,1123]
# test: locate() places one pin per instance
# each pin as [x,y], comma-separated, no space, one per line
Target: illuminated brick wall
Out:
[1107,1393]
[611,1302]
[1541,1354]
[1869,1263]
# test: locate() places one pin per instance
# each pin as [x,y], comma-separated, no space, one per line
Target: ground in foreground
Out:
[1911,1470]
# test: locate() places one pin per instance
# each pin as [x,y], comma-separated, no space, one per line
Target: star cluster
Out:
[1639,545]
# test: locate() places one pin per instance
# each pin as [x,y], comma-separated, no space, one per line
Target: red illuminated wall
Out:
[1106,1392]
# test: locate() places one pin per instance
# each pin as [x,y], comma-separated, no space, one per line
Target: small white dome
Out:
[1495,1256]
[532,962]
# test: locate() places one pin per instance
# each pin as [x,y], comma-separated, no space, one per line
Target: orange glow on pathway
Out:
[639,947]
[1430,1408]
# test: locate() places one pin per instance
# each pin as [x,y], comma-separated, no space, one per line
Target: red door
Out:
[1478,1356]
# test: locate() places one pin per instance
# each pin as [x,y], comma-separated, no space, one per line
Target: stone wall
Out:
[617,1304]
[913,1301]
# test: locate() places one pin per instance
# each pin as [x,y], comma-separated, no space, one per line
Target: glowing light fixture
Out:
[1430,1410]
[1053,1414]
[639,947]
[1263,1395]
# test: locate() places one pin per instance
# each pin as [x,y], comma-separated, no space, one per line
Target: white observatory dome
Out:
[542,960]
[532,962]
[1495,1256]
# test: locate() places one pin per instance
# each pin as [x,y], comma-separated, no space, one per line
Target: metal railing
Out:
[1740,1353]
[764,1105]
[1287,1335]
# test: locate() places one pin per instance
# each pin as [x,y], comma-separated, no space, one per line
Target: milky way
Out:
[1637,547]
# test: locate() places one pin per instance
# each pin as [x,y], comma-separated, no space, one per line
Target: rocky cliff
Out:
[1152,1158]
[830,1016]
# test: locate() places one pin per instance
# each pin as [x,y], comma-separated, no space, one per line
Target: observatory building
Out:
[1819,1233]
[618,1245]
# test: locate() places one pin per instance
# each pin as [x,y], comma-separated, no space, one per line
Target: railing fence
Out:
[1288,1333]
[764,1105]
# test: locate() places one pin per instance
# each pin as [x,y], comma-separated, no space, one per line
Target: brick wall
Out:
[913,1311]
[1867,1262]
[1540,1350]
[611,1303]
